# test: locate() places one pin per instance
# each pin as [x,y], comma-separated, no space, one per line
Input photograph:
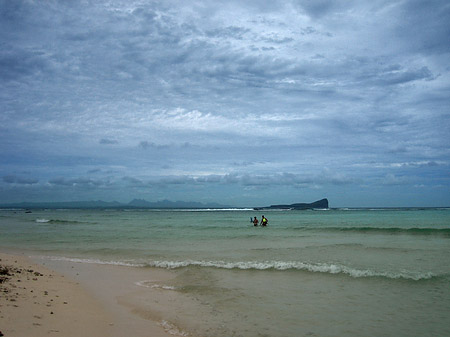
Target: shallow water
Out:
[361,272]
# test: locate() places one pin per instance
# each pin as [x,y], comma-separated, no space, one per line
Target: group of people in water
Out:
[263,222]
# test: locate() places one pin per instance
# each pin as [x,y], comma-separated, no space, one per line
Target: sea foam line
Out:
[293,265]
[327,268]
[93,261]
[152,285]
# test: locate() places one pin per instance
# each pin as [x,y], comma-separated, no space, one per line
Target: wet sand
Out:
[61,298]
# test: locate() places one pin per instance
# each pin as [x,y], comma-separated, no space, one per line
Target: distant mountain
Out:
[139,203]
[323,203]
[64,204]
[136,203]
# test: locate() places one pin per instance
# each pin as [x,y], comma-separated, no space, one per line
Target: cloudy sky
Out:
[244,103]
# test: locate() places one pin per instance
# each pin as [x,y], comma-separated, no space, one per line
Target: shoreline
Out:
[42,297]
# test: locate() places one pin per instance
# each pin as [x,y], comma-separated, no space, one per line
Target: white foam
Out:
[93,261]
[172,329]
[150,284]
[42,220]
[329,268]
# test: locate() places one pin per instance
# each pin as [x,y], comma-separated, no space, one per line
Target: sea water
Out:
[334,272]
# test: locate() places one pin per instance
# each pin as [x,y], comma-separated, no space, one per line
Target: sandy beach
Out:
[37,301]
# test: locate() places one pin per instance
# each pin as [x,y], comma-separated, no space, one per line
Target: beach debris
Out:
[5,272]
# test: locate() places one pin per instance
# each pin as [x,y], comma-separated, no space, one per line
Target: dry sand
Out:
[36,301]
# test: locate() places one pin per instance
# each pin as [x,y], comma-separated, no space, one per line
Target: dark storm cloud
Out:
[423,21]
[15,64]
[320,8]
[398,75]
[228,32]
[150,145]
[134,182]
[106,141]
[78,182]
[12,179]
[282,179]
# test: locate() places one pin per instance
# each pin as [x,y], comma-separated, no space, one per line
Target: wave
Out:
[326,268]
[293,265]
[398,230]
[95,261]
[58,221]
[386,230]
[152,285]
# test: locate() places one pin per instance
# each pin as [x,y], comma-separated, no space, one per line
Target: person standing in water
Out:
[264,221]
[255,221]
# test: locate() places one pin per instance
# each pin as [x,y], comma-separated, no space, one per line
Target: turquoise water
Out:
[352,272]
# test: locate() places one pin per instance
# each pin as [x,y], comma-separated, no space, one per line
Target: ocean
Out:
[334,272]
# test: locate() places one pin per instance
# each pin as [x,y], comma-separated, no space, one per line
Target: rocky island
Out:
[323,203]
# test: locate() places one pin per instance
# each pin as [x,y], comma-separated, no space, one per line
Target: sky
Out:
[244,103]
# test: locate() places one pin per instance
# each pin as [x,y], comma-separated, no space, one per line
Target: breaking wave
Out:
[329,268]
[58,221]
[326,268]
[93,261]
[152,285]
